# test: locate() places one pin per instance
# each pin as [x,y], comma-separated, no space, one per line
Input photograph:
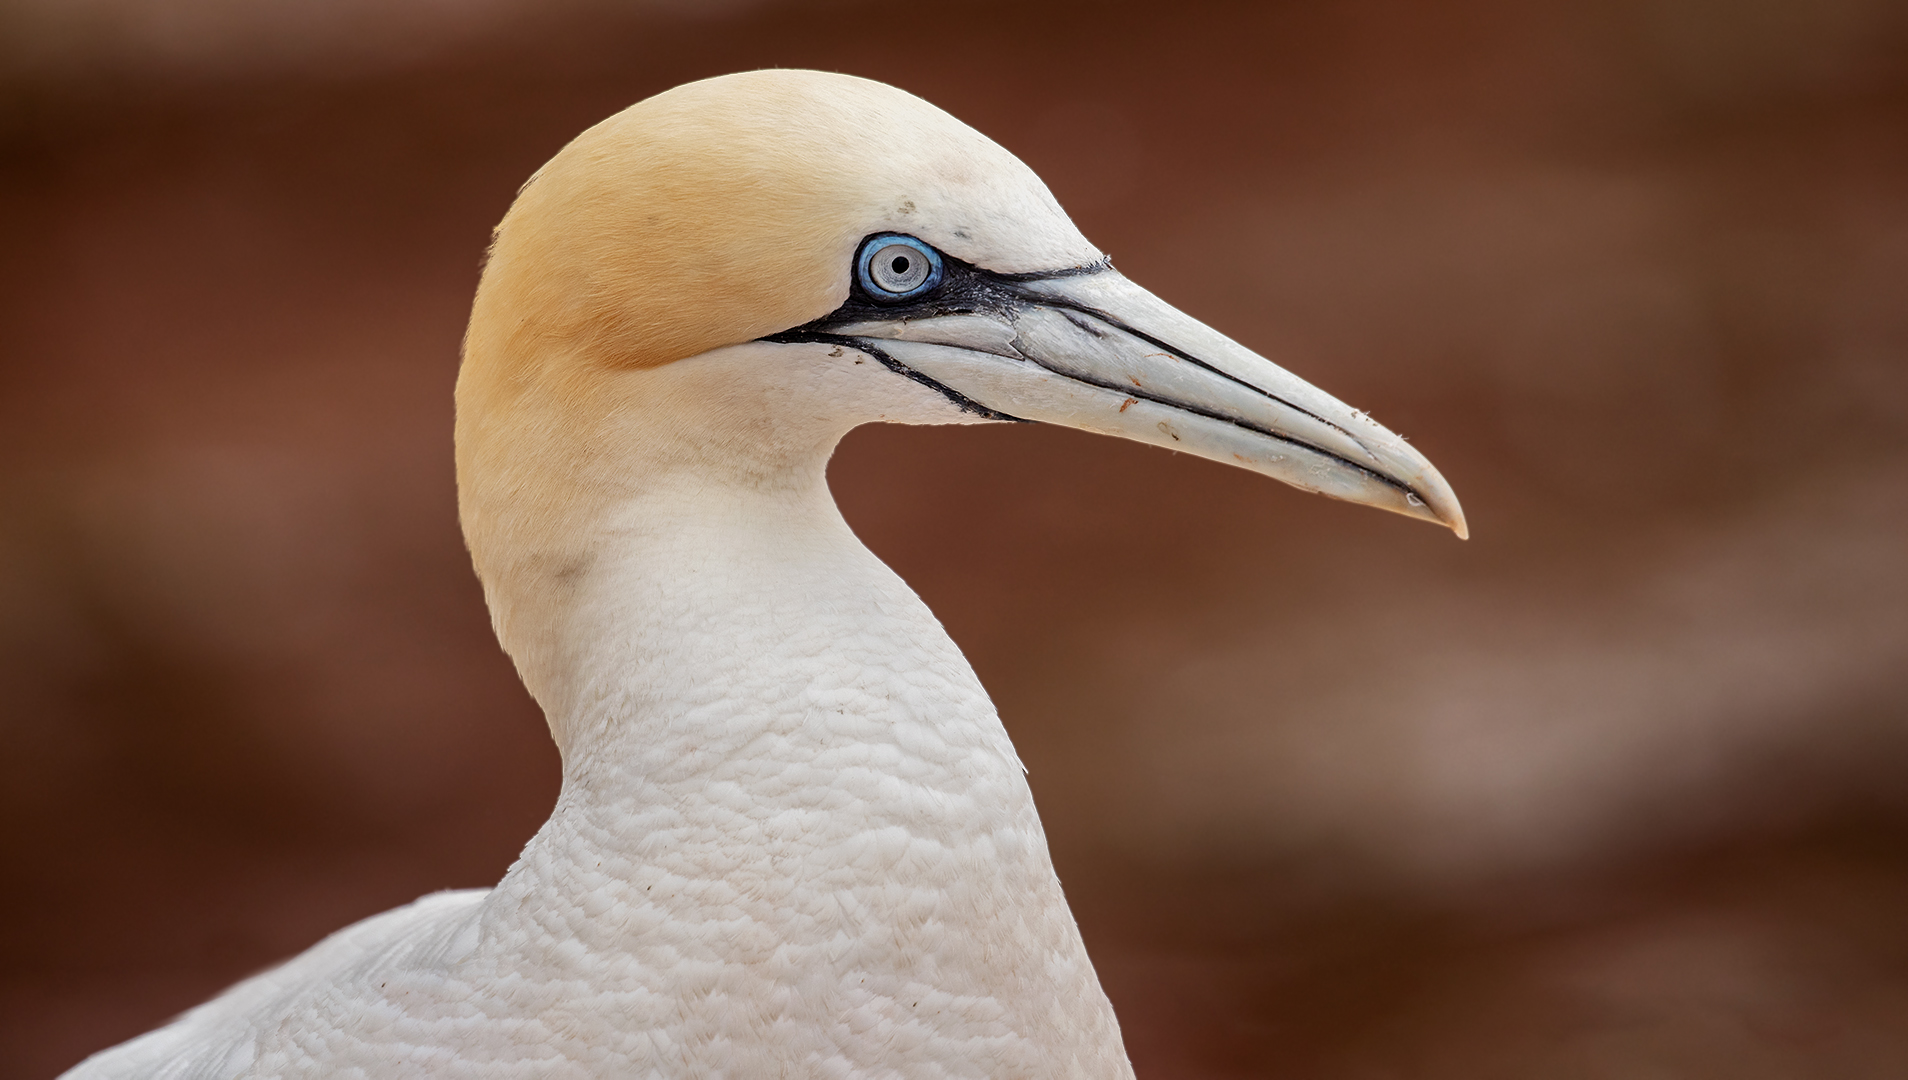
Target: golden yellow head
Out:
[727,209]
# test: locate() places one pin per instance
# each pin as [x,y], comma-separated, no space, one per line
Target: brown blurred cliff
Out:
[1618,788]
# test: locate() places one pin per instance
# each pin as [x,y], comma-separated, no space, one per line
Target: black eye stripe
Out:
[963,288]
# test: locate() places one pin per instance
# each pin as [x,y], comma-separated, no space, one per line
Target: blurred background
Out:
[1619,788]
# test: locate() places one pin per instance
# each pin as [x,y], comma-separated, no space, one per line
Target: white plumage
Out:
[793,837]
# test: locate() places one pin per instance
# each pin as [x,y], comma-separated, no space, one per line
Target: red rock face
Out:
[1614,785]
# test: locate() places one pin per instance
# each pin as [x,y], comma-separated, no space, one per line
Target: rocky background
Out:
[1619,788]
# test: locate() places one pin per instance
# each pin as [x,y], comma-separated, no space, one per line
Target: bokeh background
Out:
[1619,788]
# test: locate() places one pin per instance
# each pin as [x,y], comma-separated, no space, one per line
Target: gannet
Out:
[793,838]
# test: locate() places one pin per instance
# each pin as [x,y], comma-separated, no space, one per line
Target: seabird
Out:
[793,838]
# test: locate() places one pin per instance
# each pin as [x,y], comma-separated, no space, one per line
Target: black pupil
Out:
[900,264]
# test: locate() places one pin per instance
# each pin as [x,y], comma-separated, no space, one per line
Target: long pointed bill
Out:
[1093,350]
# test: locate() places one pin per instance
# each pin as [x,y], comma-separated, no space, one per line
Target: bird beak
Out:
[1090,349]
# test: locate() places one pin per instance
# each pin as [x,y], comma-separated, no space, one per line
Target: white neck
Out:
[783,782]
[724,631]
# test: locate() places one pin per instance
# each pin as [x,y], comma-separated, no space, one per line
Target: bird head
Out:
[725,278]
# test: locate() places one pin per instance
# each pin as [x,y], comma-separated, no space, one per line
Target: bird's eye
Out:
[895,267]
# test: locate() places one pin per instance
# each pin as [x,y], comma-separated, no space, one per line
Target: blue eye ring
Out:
[906,267]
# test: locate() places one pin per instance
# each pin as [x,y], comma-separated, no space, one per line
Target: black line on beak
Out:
[1193,410]
[1063,304]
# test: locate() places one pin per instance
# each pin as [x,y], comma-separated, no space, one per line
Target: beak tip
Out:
[1440,502]
[1447,515]
[1451,515]
[1432,499]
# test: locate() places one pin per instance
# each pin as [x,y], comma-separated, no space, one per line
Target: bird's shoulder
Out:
[221,1037]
